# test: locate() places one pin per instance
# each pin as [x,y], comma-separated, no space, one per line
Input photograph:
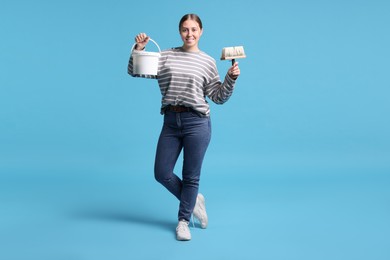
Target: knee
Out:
[157,176]
[161,176]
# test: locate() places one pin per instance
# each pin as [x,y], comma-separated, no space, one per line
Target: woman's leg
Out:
[197,133]
[168,149]
[191,132]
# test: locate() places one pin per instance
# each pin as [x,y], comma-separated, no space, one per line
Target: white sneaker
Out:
[200,211]
[183,231]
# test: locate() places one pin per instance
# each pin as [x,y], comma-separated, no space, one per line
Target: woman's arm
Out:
[220,92]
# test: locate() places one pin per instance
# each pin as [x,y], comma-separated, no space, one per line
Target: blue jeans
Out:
[191,133]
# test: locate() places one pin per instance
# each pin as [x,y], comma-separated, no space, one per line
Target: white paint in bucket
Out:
[145,63]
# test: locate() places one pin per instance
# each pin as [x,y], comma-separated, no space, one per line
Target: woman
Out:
[186,75]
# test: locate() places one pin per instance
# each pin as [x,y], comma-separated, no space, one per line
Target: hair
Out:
[193,17]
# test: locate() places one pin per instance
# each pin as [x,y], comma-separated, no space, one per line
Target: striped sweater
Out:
[187,78]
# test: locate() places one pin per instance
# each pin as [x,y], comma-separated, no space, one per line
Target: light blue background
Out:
[298,166]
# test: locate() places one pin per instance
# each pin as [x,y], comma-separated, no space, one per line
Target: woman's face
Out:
[190,33]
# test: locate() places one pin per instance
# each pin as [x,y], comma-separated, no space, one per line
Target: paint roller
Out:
[233,53]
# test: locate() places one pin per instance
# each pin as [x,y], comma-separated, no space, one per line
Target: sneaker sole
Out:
[202,204]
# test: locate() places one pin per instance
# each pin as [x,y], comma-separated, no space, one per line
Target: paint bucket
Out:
[145,63]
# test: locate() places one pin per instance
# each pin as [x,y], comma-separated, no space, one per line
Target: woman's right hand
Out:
[141,39]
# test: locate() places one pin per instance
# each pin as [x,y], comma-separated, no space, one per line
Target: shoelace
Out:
[182,226]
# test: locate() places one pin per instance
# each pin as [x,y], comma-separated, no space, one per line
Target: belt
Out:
[179,109]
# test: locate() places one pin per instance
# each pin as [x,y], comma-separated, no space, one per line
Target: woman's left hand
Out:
[234,71]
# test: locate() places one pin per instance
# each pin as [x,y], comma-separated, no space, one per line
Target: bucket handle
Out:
[159,50]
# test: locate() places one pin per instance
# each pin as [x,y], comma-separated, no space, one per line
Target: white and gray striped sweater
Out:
[187,78]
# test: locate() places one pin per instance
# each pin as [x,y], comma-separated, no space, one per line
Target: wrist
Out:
[139,48]
[232,77]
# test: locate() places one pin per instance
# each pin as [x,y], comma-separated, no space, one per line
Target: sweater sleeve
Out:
[219,92]
[130,66]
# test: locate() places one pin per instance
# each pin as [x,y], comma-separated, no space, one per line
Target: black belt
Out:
[179,109]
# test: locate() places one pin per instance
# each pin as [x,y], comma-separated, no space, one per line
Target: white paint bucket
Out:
[145,63]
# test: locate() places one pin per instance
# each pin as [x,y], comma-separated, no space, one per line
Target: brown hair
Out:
[190,17]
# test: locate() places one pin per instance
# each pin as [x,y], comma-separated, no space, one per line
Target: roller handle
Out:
[233,61]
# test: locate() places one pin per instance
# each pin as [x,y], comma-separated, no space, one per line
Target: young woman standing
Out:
[186,76]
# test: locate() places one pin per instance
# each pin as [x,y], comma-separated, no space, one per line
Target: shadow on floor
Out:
[116,215]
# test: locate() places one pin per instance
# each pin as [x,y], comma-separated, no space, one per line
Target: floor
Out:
[264,213]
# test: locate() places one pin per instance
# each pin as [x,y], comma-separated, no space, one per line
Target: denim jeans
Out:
[191,133]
